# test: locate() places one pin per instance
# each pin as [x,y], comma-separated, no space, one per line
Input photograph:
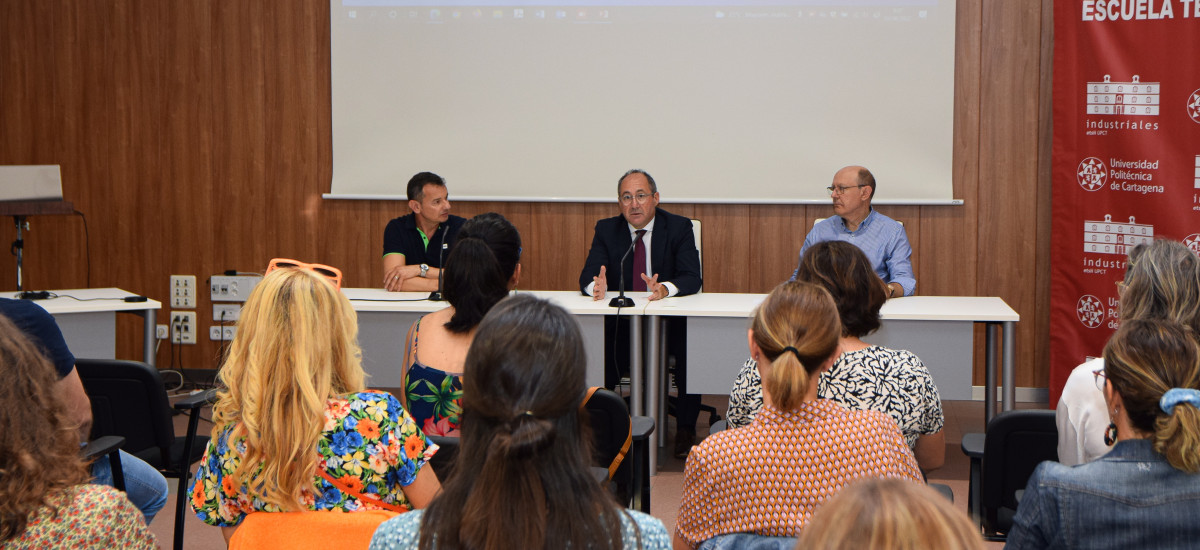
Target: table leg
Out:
[637,376]
[149,338]
[989,371]
[1008,375]
[652,341]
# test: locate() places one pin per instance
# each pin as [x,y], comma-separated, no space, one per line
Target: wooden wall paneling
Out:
[1041,358]
[160,112]
[726,240]
[776,233]
[1008,165]
[556,245]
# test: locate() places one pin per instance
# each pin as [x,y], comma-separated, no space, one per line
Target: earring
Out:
[1110,434]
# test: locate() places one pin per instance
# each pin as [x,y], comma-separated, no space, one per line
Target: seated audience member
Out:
[881,238]
[864,377]
[1162,281]
[1145,493]
[145,487]
[480,271]
[769,477]
[889,514]
[523,476]
[293,429]
[45,498]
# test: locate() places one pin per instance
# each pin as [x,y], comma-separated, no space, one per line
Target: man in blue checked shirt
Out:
[881,238]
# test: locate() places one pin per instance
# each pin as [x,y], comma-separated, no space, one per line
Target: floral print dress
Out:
[369,444]
[433,396]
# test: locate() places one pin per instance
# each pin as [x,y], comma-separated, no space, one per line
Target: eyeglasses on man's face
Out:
[639,198]
[840,189]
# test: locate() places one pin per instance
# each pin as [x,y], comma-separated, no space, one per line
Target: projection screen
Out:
[723,102]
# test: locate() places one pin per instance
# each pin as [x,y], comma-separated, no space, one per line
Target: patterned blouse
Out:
[369,444]
[769,477]
[433,396]
[98,516]
[403,532]
[875,378]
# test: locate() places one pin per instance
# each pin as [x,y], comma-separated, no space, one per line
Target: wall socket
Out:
[217,332]
[183,327]
[226,312]
[183,291]
[162,332]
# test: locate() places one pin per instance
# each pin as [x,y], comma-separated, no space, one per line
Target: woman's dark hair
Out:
[846,273]
[523,478]
[482,261]
[1144,359]
[39,445]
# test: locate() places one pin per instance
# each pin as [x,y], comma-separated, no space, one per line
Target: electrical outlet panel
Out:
[232,288]
[217,332]
[183,327]
[226,312]
[162,332]
[183,291]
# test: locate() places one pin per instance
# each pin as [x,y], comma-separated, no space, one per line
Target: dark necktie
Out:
[639,261]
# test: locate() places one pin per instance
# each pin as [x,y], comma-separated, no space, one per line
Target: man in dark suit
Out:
[664,263]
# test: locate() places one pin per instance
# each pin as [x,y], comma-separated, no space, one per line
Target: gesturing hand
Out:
[599,285]
[657,290]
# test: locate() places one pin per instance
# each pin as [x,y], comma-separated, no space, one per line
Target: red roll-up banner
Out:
[1126,157]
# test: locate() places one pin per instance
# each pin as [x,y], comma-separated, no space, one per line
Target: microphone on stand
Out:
[622,300]
[436,296]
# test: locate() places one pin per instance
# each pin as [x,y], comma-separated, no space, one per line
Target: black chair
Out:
[108,445]
[1002,460]
[621,446]
[129,400]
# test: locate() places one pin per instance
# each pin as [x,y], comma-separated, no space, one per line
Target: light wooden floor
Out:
[666,488]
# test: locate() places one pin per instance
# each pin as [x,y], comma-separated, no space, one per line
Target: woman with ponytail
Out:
[1145,493]
[769,477]
[523,476]
[482,268]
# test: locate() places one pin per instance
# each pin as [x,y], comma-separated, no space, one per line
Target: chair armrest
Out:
[642,427]
[972,445]
[102,446]
[196,401]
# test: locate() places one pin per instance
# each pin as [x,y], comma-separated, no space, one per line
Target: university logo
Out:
[1090,311]
[1193,243]
[1193,106]
[1092,174]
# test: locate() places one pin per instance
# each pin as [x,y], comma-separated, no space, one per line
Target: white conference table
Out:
[385,317]
[939,329]
[87,319]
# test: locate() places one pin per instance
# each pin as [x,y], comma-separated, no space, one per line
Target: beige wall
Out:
[195,137]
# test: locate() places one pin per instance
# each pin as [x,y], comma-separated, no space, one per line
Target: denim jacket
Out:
[1130,498]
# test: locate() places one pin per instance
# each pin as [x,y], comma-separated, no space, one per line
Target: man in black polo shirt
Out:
[412,244]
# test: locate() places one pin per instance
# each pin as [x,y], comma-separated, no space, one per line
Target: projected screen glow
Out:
[720,101]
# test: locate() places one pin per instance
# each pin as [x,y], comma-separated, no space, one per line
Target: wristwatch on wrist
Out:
[424,270]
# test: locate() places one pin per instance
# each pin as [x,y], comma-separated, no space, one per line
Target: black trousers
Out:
[616,362]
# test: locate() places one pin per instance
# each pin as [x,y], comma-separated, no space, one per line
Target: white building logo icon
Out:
[1092,174]
[1122,98]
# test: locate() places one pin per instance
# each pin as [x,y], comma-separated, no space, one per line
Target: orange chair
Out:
[308,530]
